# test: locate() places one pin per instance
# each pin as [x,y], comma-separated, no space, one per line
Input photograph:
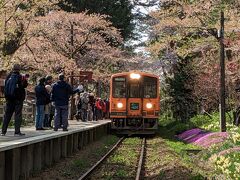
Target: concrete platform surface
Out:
[9,141]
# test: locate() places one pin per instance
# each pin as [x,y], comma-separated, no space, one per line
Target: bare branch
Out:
[35,59]
[14,12]
[82,44]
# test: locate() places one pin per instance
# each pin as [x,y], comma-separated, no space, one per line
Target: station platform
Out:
[10,141]
[22,156]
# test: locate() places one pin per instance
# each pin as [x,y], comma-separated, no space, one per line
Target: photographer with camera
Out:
[14,91]
[61,93]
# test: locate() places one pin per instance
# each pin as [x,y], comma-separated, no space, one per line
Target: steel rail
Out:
[87,174]
[140,163]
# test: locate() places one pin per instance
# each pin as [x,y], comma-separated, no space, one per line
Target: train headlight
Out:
[149,105]
[119,105]
[135,76]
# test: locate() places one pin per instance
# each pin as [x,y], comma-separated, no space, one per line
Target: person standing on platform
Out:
[107,108]
[61,93]
[14,91]
[47,121]
[98,109]
[92,107]
[78,105]
[42,99]
[84,102]
[49,80]
[49,108]
[102,109]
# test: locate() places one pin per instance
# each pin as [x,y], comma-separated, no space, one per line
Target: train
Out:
[134,103]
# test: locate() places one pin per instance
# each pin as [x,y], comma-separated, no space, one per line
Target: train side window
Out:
[150,87]
[119,87]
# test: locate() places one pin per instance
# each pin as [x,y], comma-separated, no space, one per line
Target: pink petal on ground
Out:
[227,151]
[211,138]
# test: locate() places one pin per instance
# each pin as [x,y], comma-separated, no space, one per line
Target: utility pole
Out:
[222,76]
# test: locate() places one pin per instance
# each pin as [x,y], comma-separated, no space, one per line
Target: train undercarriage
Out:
[129,126]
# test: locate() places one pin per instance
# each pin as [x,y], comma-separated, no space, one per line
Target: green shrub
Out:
[165,119]
[179,128]
[170,125]
[211,121]
[200,120]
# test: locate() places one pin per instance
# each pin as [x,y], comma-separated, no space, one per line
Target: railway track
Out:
[89,173]
[140,162]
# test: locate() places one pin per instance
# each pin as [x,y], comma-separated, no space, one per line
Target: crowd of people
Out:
[91,108]
[52,102]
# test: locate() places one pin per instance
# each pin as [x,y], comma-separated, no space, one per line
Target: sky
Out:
[144,35]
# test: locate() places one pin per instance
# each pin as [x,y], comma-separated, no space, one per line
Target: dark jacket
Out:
[42,96]
[92,100]
[20,93]
[61,93]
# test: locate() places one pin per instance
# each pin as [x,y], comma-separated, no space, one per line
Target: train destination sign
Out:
[134,106]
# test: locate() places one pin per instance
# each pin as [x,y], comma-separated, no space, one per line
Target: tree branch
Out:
[15,10]
[35,59]
[82,44]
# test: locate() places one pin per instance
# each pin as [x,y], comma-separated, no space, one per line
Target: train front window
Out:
[134,91]
[119,87]
[150,87]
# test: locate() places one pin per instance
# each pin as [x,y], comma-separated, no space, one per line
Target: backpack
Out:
[11,85]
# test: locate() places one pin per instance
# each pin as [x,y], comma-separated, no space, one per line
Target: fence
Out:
[28,112]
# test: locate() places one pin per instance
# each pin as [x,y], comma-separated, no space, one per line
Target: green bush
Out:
[165,119]
[172,125]
[200,120]
[179,128]
[211,121]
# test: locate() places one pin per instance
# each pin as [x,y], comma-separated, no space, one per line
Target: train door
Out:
[134,99]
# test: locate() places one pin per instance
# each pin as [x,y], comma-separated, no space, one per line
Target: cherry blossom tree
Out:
[188,29]
[65,42]
[17,16]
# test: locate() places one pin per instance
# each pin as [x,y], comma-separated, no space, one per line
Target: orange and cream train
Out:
[134,103]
